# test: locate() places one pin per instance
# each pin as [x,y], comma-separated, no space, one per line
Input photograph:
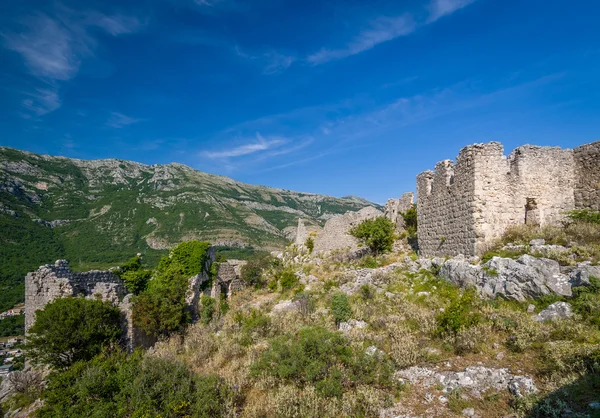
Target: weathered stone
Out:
[335,236]
[285,306]
[538,241]
[557,310]
[395,207]
[580,275]
[476,378]
[464,207]
[527,277]
[468,412]
[346,327]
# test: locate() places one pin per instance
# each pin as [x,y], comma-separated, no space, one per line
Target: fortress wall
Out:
[463,208]
[587,172]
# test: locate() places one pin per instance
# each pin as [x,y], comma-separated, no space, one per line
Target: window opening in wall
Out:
[532,212]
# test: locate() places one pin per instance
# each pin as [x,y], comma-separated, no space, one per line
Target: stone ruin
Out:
[395,207]
[53,281]
[464,206]
[335,234]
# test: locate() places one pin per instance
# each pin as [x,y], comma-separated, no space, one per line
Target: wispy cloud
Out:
[119,120]
[259,145]
[41,101]
[385,28]
[272,62]
[380,30]
[53,46]
[441,8]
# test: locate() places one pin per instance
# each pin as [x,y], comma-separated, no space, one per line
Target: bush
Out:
[340,307]
[585,215]
[287,279]
[160,311]
[208,307]
[188,257]
[252,271]
[377,234]
[460,315]
[310,244]
[253,326]
[325,359]
[118,385]
[136,281]
[72,329]
[410,221]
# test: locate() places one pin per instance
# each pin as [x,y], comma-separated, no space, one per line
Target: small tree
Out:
[377,234]
[251,273]
[72,329]
[410,221]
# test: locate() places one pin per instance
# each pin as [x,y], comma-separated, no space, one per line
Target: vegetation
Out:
[12,325]
[119,385]
[410,221]
[161,308]
[319,357]
[377,234]
[310,244]
[135,277]
[340,307]
[69,330]
[252,271]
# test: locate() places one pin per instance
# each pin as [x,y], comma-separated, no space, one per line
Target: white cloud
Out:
[381,30]
[273,62]
[441,8]
[41,101]
[261,144]
[53,46]
[119,120]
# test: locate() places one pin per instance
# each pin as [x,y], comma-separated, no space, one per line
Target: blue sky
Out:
[335,97]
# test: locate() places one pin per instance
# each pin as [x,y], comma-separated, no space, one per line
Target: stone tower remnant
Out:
[464,206]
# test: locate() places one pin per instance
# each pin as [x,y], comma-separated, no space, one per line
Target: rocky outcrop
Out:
[558,310]
[477,379]
[524,278]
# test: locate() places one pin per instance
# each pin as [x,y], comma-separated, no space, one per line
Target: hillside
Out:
[98,213]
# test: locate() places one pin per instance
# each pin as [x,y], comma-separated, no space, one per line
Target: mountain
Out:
[98,213]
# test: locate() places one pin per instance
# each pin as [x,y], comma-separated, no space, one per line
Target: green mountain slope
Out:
[99,213]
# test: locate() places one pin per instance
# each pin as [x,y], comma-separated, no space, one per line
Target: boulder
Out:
[285,306]
[527,277]
[580,275]
[346,327]
[557,310]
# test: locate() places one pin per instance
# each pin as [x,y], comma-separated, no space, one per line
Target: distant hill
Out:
[99,213]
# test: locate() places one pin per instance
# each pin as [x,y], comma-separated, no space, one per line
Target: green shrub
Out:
[367,292]
[377,234]
[161,310]
[288,280]
[208,307]
[118,385]
[310,244]
[189,258]
[72,329]
[410,221]
[252,271]
[12,325]
[340,307]
[136,281]
[585,215]
[253,326]
[369,262]
[460,315]
[325,359]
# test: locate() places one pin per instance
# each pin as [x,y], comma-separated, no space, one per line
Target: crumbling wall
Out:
[395,207]
[335,236]
[54,281]
[587,171]
[463,207]
[228,278]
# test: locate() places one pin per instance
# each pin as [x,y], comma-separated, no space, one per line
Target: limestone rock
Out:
[346,327]
[476,378]
[285,306]
[580,275]
[555,311]
[527,277]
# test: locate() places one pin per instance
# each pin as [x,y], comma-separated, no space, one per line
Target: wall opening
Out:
[532,212]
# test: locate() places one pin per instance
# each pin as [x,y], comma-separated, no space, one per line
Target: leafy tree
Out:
[120,385]
[13,325]
[188,257]
[377,234]
[161,310]
[72,329]
[208,307]
[410,221]
[251,273]
[340,307]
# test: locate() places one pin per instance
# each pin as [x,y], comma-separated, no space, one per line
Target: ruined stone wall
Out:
[335,236]
[463,208]
[394,207]
[301,233]
[446,206]
[587,171]
[54,281]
